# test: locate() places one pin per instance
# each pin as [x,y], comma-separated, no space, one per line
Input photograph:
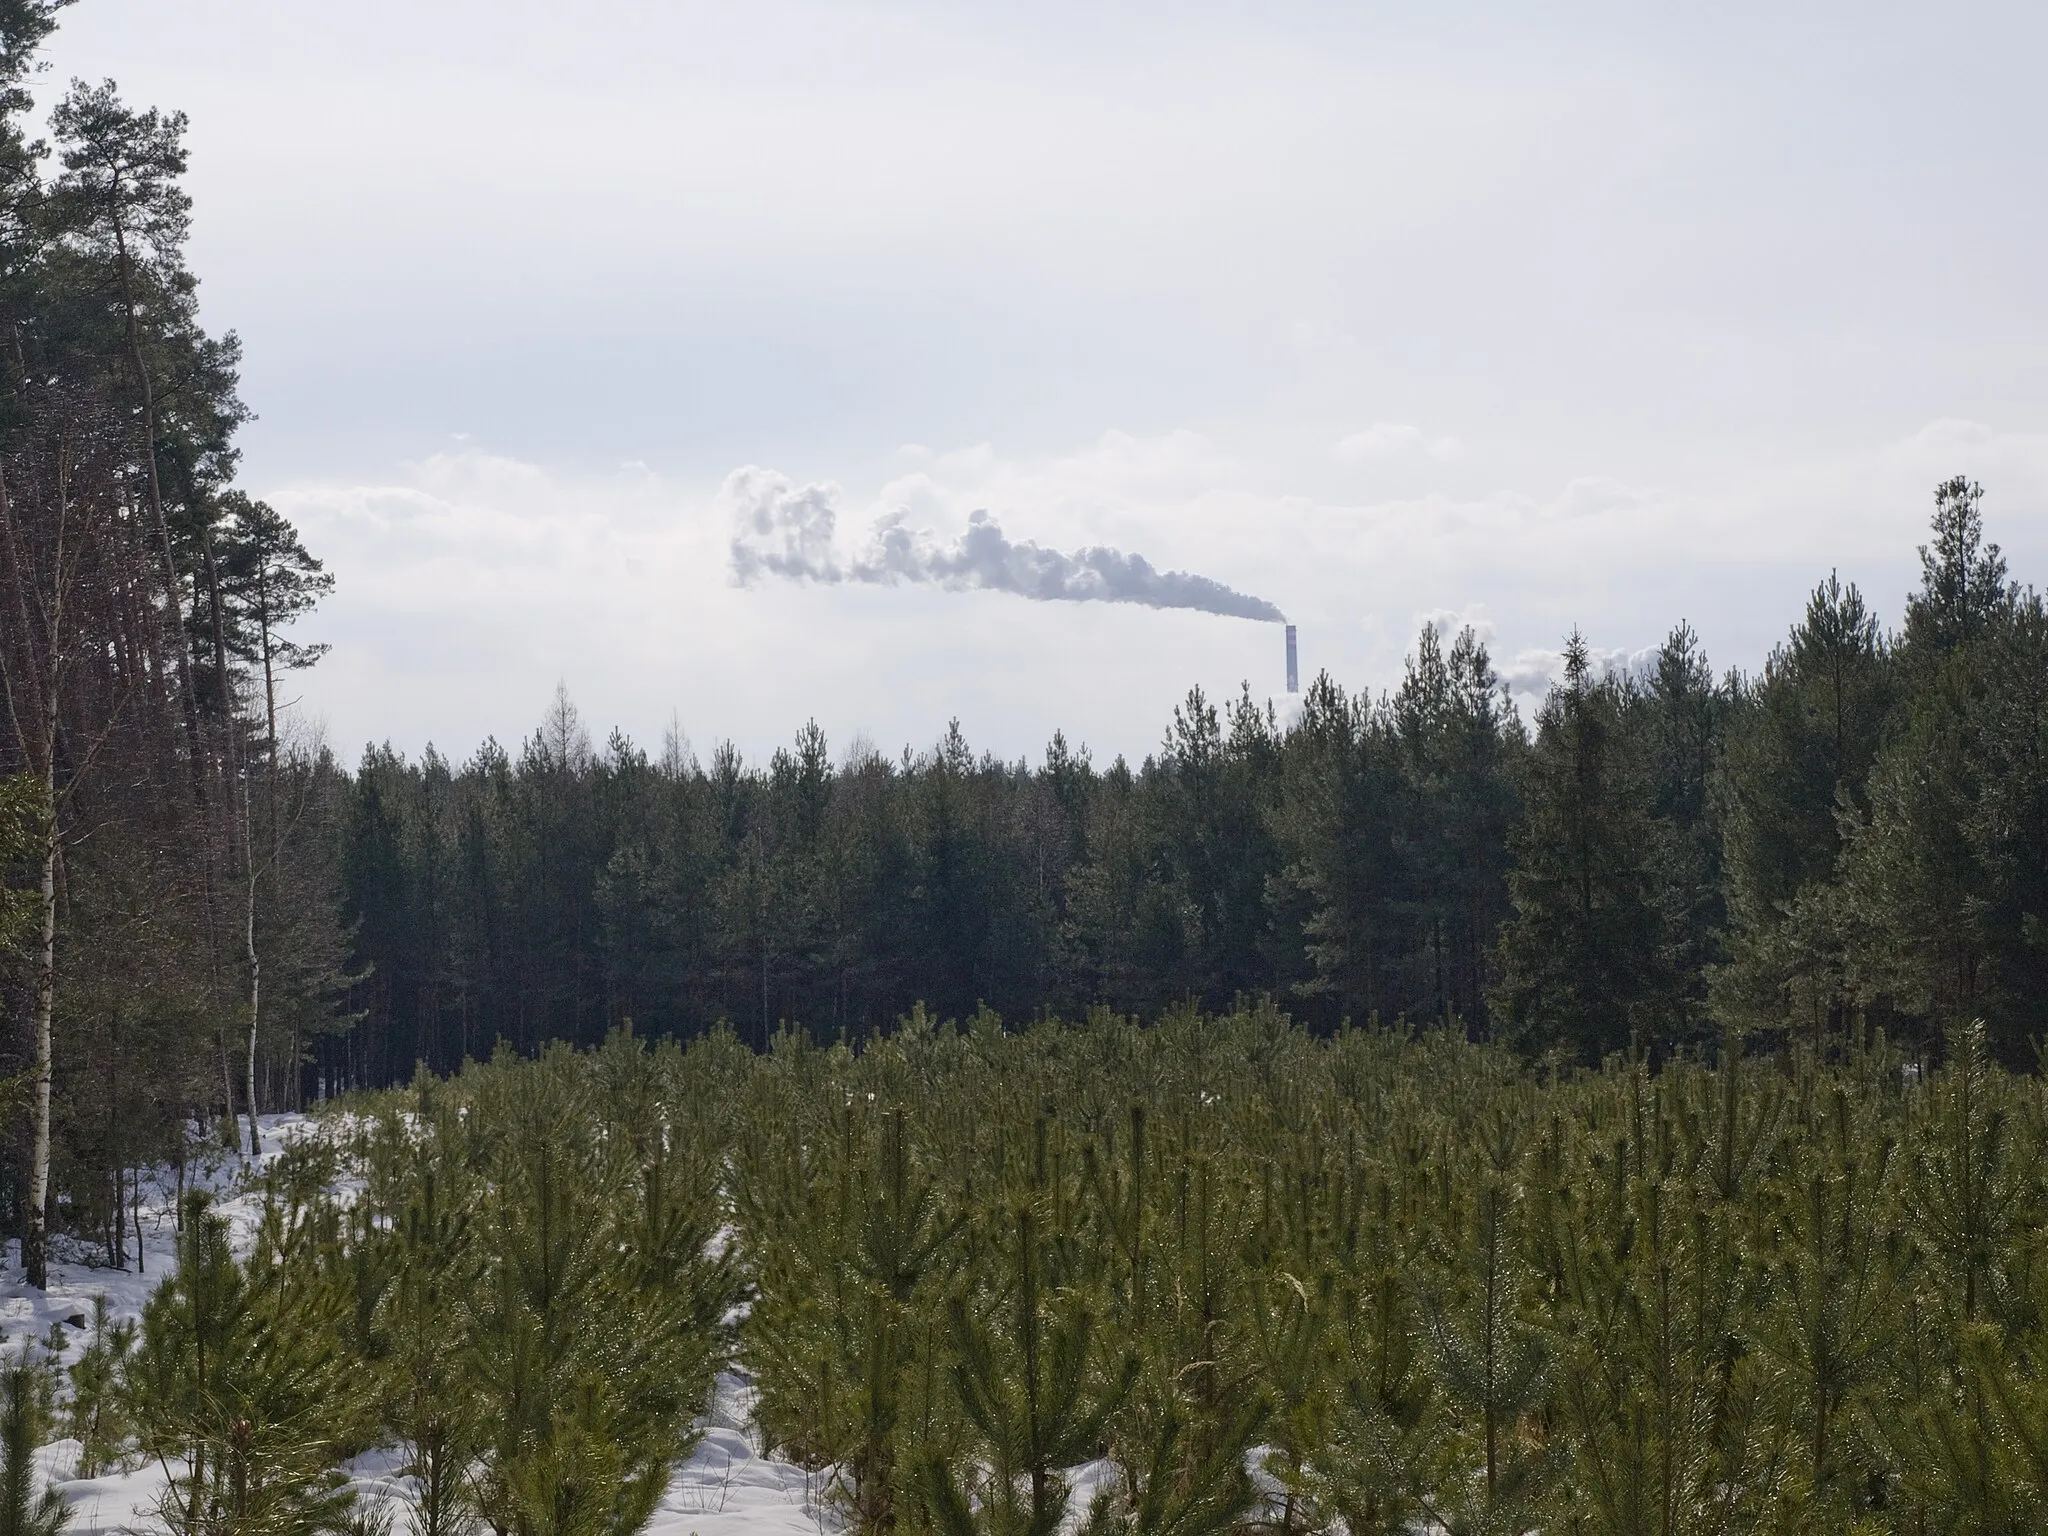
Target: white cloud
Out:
[1448,622]
[469,582]
[1384,441]
[1530,673]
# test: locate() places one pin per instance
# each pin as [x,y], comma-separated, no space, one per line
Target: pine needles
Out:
[1216,1275]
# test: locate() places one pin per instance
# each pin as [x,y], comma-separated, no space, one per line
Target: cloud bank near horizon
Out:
[469,583]
[789,532]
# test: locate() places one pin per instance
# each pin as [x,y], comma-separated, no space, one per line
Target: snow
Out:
[78,1273]
[726,1487]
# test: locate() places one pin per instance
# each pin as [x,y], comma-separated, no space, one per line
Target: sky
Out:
[1602,316]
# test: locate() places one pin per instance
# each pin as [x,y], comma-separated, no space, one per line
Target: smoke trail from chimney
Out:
[781,530]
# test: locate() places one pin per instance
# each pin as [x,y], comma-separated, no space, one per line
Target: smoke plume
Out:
[790,532]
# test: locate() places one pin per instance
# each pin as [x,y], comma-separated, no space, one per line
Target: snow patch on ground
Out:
[726,1487]
[79,1271]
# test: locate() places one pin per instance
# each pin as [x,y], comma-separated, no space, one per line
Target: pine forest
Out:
[1411,1112]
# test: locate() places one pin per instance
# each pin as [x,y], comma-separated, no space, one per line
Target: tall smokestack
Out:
[1293,666]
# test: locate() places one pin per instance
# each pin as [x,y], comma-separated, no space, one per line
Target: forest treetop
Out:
[1854,835]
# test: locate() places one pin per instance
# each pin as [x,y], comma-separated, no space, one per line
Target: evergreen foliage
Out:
[97,1416]
[24,1415]
[1581,958]
[1227,1274]
[244,1382]
[141,775]
[526,1299]
[1853,837]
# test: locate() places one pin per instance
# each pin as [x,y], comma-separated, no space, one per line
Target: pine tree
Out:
[1964,589]
[1914,890]
[1491,1363]
[1661,1412]
[1978,1429]
[244,1373]
[1287,1318]
[1833,1278]
[104,474]
[430,1404]
[1390,1431]
[899,1235]
[1684,711]
[1338,823]
[98,1419]
[263,580]
[586,1371]
[2007,831]
[24,1511]
[271,581]
[1972,1188]
[1460,740]
[1585,957]
[1181,1436]
[1802,740]
[1031,1381]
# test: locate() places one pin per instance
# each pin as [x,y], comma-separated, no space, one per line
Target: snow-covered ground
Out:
[725,1488]
[728,1488]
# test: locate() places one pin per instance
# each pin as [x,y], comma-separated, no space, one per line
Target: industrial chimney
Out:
[1293,666]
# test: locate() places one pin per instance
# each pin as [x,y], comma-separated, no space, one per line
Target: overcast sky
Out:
[1529,316]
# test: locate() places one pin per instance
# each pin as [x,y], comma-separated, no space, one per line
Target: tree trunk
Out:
[255,963]
[269,688]
[227,1086]
[41,743]
[173,594]
[35,1247]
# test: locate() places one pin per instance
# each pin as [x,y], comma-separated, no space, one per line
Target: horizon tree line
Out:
[1855,836]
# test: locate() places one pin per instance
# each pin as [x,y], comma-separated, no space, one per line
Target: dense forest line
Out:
[1856,834]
